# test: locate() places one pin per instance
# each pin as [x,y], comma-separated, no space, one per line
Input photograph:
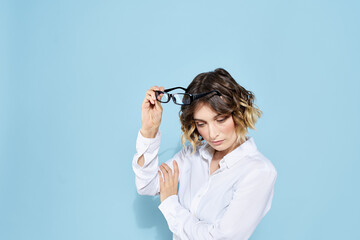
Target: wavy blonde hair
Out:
[234,100]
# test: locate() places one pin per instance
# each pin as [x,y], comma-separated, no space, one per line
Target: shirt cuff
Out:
[169,208]
[144,144]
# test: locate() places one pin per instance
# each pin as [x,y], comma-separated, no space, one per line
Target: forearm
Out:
[145,165]
[182,223]
[146,133]
[141,161]
[249,204]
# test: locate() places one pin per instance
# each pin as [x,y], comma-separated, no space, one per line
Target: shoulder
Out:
[258,172]
[258,162]
[255,166]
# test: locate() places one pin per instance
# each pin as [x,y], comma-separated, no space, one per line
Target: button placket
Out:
[198,197]
[205,188]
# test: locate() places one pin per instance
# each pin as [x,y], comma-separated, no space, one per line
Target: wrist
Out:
[163,198]
[149,133]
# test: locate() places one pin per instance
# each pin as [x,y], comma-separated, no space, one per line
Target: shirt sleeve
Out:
[146,177]
[251,201]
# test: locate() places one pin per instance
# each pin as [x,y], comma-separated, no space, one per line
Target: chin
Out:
[223,147]
[220,148]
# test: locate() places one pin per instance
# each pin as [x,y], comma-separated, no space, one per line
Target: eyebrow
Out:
[196,119]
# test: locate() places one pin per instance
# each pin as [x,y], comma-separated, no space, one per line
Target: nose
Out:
[213,131]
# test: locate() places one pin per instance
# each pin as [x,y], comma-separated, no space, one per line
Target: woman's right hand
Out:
[151,112]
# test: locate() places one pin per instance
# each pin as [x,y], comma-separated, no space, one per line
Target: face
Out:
[217,130]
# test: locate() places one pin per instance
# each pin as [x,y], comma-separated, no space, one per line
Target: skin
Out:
[151,112]
[217,130]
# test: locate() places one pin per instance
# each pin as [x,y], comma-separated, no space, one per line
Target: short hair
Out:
[234,100]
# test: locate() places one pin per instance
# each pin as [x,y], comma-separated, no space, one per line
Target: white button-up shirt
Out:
[227,204]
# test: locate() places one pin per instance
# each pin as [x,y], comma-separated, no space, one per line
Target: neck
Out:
[221,154]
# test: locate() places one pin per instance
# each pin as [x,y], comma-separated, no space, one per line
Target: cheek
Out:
[202,132]
[229,128]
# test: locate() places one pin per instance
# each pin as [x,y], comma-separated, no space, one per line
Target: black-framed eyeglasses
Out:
[180,98]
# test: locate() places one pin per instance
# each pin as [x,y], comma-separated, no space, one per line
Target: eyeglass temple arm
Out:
[194,97]
[170,89]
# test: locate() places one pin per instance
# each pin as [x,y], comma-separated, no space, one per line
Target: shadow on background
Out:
[148,215]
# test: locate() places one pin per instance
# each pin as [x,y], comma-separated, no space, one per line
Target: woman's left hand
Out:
[168,183]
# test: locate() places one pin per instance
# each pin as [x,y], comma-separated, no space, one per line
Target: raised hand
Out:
[168,183]
[151,112]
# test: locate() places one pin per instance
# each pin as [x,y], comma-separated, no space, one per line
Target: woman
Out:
[219,186]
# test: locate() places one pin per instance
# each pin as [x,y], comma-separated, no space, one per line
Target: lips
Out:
[217,142]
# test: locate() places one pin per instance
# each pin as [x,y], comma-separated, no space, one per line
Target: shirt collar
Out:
[247,148]
[206,151]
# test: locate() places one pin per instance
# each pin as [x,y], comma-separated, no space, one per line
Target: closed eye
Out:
[199,124]
[220,120]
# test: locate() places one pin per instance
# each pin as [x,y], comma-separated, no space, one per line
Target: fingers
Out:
[158,106]
[167,172]
[161,89]
[167,168]
[176,170]
[161,180]
[155,88]
[168,180]
[150,95]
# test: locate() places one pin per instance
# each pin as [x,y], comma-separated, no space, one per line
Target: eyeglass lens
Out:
[162,96]
[178,98]
[182,98]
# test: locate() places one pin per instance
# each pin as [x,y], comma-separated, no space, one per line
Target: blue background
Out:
[73,76]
